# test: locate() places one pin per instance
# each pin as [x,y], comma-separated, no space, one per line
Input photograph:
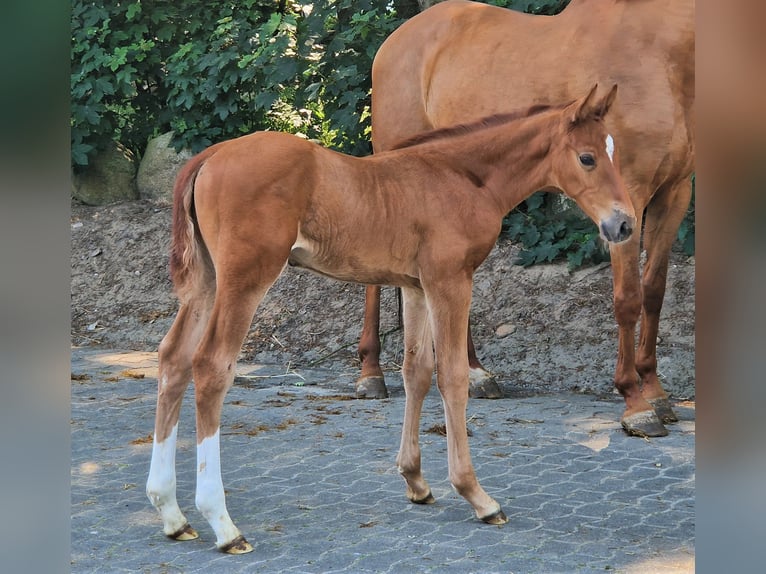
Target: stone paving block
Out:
[312,482]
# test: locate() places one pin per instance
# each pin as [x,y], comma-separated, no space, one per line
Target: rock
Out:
[504,330]
[109,178]
[158,169]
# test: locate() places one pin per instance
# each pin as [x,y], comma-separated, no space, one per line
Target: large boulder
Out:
[109,178]
[158,169]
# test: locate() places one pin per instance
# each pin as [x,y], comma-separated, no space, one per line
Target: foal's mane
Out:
[467,128]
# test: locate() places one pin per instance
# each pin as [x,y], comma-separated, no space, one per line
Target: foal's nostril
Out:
[617,228]
[626,229]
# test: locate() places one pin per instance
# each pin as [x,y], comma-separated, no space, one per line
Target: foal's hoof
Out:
[186,532]
[371,388]
[644,424]
[237,546]
[496,518]
[483,385]
[428,499]
[663,409]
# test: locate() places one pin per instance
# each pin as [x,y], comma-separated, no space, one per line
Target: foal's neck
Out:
[510,161]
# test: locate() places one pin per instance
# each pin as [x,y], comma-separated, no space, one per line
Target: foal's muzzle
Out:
[618,227]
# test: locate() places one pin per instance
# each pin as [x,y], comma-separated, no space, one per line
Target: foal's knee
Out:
[627,307]
[653,289]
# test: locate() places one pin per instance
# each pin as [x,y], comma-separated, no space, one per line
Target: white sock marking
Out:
[210,498]
[161,484]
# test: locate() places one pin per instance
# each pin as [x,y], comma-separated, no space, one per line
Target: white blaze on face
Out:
[610,147]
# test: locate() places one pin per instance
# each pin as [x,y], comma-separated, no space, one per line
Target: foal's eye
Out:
[587,160]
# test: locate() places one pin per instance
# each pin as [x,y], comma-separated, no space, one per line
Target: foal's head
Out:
[583,166]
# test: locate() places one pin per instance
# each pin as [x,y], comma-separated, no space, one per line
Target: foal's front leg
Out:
[448,307]
[417,371]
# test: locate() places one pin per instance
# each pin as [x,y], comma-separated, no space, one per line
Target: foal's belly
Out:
[351,265]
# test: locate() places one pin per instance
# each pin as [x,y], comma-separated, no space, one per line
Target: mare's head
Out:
[583,166]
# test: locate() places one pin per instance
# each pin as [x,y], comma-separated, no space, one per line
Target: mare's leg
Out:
[448,305]
[482,383]
[663,216]
[371,384]
[241,287]
[175,372]
[639,417]
[417,371]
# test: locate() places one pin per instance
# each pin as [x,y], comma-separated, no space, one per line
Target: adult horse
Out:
[461,60]
[244,209]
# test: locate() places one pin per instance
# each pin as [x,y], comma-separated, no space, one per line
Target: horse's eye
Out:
[587,160]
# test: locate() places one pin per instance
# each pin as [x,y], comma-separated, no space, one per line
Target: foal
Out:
[245,208]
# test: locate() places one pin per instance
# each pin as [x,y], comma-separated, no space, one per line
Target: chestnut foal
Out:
[245,208]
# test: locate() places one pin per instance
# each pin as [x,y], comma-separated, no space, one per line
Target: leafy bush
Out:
[546,236]
[215,70]
[113,61]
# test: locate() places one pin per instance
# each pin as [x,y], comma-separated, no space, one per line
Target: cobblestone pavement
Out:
[311,480]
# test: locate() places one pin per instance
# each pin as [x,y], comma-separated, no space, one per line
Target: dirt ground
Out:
[540,328]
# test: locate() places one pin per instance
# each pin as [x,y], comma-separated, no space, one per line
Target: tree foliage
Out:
[217,69]
[214,70]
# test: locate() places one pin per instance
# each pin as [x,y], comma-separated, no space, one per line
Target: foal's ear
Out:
[587,108]
[583,109]
[603,106]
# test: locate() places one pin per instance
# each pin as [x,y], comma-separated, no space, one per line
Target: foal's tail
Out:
[191,268]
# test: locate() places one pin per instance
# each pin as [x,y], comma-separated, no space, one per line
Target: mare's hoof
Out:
[427,499]
[495,518]
[644,424]
[483,386]
[371,388]
[237,546]
[663,409]
[186,532]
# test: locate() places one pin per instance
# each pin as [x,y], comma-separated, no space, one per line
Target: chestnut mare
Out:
[245,208]
[459,61]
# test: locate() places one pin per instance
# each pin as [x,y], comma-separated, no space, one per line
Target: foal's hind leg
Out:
[214,369]
[175,371]
[417,371]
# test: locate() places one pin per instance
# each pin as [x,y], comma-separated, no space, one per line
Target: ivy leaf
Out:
[530,237]
[133,11]
[535,201]
[268,29]
[265,100]
[525,258]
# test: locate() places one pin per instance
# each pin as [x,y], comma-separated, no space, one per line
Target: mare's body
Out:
[460,60]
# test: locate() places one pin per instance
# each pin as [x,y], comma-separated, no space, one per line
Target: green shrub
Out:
[215,70]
